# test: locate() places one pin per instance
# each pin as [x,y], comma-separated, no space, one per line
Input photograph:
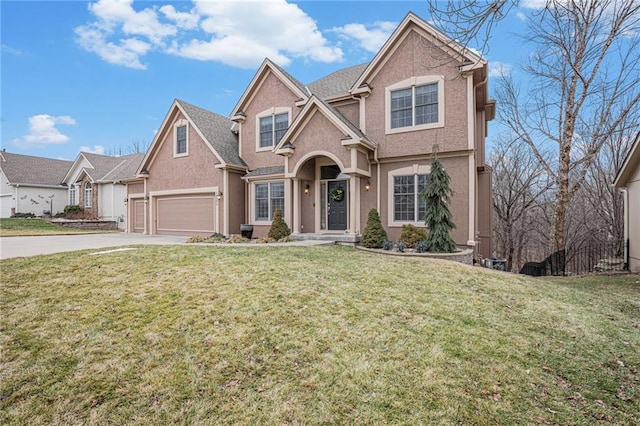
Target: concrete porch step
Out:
[337,238]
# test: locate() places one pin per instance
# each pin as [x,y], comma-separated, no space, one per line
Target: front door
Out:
[337,205]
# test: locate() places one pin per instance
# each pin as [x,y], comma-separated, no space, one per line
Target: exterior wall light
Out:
[367,185]
[307,189]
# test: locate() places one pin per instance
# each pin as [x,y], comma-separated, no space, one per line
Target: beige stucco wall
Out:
[272,93]
[350,110]
[485,213]
[196,170]
[415,57]
[236,198]
[458,170]
[320,135]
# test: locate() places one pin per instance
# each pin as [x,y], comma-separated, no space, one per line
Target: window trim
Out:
[271,112]
[414,170]
[73,194]
[88,190]
[180,123]
[411,83]
[254,204]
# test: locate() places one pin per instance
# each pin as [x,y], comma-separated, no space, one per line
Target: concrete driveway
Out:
[32,246]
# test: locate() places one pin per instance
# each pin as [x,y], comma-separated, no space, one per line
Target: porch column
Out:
[296,206]
[354,204]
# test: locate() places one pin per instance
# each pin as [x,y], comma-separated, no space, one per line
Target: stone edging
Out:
[465,256]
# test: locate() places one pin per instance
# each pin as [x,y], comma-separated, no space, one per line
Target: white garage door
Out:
[185,215]
[6,202]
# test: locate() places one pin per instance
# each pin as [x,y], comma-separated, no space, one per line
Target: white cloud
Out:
[43,131]
[237,33]
[521,16]
[97,149]
[499,69]
[370,39]
[534,4]
[11,50]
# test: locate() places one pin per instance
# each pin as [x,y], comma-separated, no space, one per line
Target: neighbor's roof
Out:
[35,171]
[337,83]
[217,131]
[107,168]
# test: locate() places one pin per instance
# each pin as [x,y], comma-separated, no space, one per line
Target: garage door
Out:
[185,215]
[6,202]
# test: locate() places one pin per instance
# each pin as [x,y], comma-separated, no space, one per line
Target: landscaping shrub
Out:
[279,228]
[23,215]
[374,235]
[72,209]
[411,235]
[437,195]
[235,239]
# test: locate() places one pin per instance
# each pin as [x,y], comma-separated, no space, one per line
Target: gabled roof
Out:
[453,48]
[268,66]
[103,168]
[630,165]
[35,171]
[337,83]
[214,129]
[331,113]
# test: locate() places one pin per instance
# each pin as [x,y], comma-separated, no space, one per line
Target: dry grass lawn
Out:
[324,335]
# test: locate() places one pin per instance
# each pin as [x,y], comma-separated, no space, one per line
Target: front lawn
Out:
[300,335]
[36,226]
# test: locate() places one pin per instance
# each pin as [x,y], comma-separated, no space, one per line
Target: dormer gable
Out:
[268,68]
[214,130]
[353,135]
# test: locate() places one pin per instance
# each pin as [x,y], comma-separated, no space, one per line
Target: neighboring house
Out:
[327,152]
[31,184]
[93,183]
[628,180]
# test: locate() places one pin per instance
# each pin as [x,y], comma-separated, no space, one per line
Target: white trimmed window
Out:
[271,125]
[405,202]
[88,194]
[269,196]
[181,138]
[415,104]
[73,195]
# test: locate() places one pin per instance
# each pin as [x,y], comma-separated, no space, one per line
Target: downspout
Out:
[625,198]
[377,163]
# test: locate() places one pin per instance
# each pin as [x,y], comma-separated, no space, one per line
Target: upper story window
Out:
[72,195]
[181,138]
[415,104]
[271,127]
[88,194]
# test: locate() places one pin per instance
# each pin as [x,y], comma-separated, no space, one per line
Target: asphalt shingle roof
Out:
[108,168]
[217,130]
[337,83]
[125,169]
[266,171]
[29,170]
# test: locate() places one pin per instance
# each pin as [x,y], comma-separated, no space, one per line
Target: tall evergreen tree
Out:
[437,195]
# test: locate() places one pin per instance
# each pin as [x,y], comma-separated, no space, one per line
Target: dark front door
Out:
[337,205]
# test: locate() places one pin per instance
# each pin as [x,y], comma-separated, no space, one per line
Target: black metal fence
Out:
[595,257]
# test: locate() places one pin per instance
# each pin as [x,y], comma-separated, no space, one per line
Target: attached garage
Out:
[187,214]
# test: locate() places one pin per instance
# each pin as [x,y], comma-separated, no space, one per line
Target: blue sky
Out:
[98,76]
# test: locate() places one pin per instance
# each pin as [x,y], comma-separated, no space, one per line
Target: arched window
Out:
[72,195]
[88,194]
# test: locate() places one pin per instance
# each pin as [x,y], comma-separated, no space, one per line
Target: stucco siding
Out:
[196,170]
[415,56]
[35,200]
[236,202]
[458,170]
[272,93]
[320,135]
[350,111]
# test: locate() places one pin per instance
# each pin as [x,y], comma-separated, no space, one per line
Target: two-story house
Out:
[327,152]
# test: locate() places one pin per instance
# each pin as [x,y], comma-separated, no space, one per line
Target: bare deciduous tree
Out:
[518,183]
[583,82]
